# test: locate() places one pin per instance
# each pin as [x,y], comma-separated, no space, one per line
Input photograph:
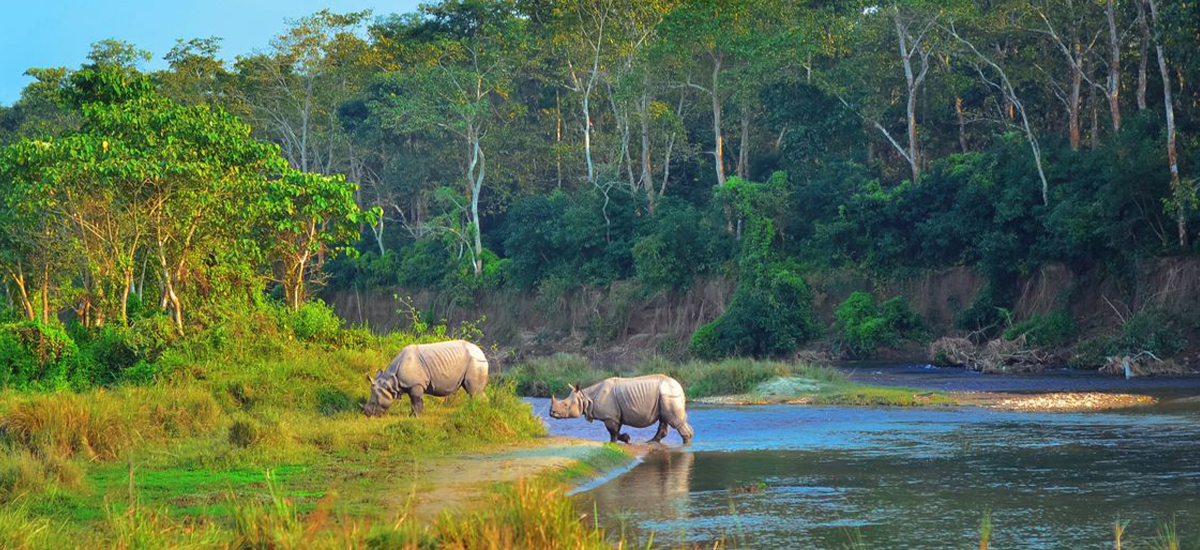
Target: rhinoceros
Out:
[637,402]
[435,369]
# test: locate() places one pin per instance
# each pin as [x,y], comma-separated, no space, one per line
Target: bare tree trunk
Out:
[171,299]
[558,140]
[46,293]
[1144,24]
[1094,140]
[1181,195]
[718,141]
[962,123]
[1073,98]
[477,187]
[913,81]
[1005,87]
[587,136]
[18,277]
[1113,92]
[647,177]
[743,168]
[662,188]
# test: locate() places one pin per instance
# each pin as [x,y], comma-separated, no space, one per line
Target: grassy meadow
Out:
[260,443]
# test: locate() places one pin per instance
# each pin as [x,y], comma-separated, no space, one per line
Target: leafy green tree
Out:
[305,217]
[771,310]
[462,59]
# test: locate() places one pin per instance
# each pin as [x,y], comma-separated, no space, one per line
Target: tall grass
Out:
[546,376]
[100,424]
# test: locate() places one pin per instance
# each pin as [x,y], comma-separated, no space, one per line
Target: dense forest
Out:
[540,145]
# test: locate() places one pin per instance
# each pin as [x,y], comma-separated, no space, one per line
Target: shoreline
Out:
[458,484]
[1064,401]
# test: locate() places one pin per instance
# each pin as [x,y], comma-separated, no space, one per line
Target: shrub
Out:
[34,354]
[1053,330]
[864,326]
[313,322]
[547,376]
[771,311]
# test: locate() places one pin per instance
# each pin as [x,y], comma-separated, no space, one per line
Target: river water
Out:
[772,477]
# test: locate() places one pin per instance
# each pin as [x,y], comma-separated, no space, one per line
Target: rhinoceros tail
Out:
[476,377]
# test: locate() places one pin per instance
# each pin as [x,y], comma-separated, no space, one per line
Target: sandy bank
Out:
[458,483]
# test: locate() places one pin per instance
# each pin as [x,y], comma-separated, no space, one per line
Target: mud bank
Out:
[619,324]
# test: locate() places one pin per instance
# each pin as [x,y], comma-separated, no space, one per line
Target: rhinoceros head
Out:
[571,407]
[382,396]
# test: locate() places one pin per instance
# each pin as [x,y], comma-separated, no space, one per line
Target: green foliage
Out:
[771,310]
[313,321]
[1163,332]
[1053,330]
[547,376]
[35,355]
[863,325]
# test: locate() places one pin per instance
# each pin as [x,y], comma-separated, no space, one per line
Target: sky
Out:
[59,33]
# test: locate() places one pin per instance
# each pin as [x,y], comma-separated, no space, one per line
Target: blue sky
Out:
[54,33]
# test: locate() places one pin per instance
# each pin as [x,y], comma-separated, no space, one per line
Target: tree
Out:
[462,57]
[294,90]
[1184,198]
[305,215]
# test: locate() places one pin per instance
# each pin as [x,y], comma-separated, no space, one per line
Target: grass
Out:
[183,459]
[742,380]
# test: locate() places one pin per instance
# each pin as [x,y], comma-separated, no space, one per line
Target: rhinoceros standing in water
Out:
[435,369]
[637,402]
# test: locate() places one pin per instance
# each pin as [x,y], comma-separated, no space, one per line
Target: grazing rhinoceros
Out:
[637,402]
[436,369]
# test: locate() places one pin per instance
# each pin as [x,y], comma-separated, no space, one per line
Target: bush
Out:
[37,355]
[313,322]
[771,311]
[768,321]
[245,432]
[1053,330]
[331,401]
[1161,332]
[864,326]
[547,376]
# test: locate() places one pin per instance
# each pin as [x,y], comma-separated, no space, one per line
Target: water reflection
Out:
[789,477]
[660,484]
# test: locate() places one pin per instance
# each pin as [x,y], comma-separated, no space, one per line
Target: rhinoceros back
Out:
[638,400]
[445,365]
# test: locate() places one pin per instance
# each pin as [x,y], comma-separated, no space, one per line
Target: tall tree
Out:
[461,56]
[1184,192]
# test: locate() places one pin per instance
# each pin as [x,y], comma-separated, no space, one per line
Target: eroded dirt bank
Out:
[620,323]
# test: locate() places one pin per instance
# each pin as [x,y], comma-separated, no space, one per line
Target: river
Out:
[786,476]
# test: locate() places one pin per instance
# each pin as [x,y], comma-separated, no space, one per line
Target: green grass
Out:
[104,465]
[750,380]
[593,464]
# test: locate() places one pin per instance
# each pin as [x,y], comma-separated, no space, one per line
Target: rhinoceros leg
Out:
[474,384]
[661,433]
[415,394]
[685,432]
[614,431]
[676,415]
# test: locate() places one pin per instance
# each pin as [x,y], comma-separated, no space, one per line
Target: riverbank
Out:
[262,445]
